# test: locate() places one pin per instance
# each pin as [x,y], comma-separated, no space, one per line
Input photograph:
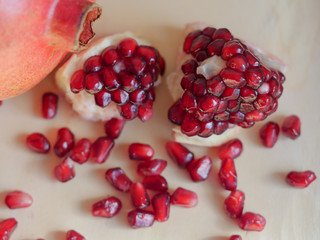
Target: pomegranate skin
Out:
[58,27]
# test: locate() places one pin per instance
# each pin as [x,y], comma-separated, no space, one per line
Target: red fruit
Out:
[93,64]
[113,127]
[110,79]
[73,235]
[215,47]
[190,126]
[208,31]
[145,111]
[238,62]
[180,154]
[139,195]
[228,174]
[127,47]
[235,237]
[106,208]
[118,179]
[49,105]
[215,86]
[129,111]
[269,134]
[263,102]
[231,48]
[38,143]
[189,39]
[151,167]
[234,204]
[138,218]
[252,222]
[140,151]
[231,149]
[102,98]
[184,198]
[64,142]
[232,78]
[65,170]
[189,67]
[18,199]
[300,179]
[254,77]
[148,53]
[7,227]
[222,33]
[155,182]
[199,169]
[291,126]
[101,149]
[81,151]
[208,103]
[200,43]
[188,101]
[161,206]
[252,59]
[110,56]
[93,83]
[199,87]
[176,112]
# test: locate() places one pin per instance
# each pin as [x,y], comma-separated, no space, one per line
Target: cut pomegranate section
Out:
[300,179]
[231,149]
[101,149]
[139,218]
[118,179]
[184,198]
[291,126]
[106,208]
[234,204]
[81,151]
[7,227]
[269,134]
[252,222]
[228,174]
[113,127]
[65,170]
[18,199]
[49,105]
[151,167]
[155,182]
[38,143]
[161,206]
[199,169]
[140,151]
[73,235]
[180,154]
[64,142]
[139,195]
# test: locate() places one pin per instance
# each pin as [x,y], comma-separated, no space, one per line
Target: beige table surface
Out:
[288,28]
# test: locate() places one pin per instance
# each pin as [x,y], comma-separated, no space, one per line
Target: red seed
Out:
[231,149]
[230,49]
[235,237]
[228,174]
[234,204]
[64,142]
[38,143]
[161,206]
[134,65]
[155,182]
[18,199]
[263,102]
[178,153]
[189,67]
[199,169]
[73,235]
[145,111]
[266,73]
[208,103]
[269,134]
[233,106]
[254,77]
[127,47]
[220,127]
[300,179]
[110,55]
[93,64]
[190,126]
[238,62]
[49,105]
[113,127]
[208,31]
[77,81]
[129,82]
[248,95]
[176,113]
[139,195]
[81,151]
[187,81]
[252,222]
[255,116]
[291,126]
[106,208]
[65,170]
[232,78]
[109,78]
[129,111]
[236,117]
[230,94]
[102,98]
[201,55]
[215,86]
[146,81]
[224,116]
[101,149]
[215,47]
[189,39]
[151,167]
[199,87]
[139,218]
[93,83]
[188,101]
[184,198]
[222,33]
[148,53]
[140,151]
[200,43]
[7,227]
[252,59]
[246,107]
[118,179]
[137,96]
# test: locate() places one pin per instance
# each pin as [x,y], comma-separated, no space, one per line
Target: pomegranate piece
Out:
[161,206]
[101,149]
[118,179]
[139,218]
[139,195]
[231,149]
[65,170]
[102,98]
[64,142]
[81,151]
[140,151]
[49,105]
[106,208]
[252,222]
[93,64]
[291,126]
[199,169]
[73,235]
[228,175]
[184,198]
[77,81]
[300,179]
[127,47]
[7,227]
[180,154]
[18,199]
[269,134]
[38,143]
[155,182]
[234,204]
[151,167]
[113,127]
[235,237]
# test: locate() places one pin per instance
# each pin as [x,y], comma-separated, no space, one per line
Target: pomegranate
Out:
[231,149]
[118,179]
[269,134]
[138,218]
[252,222]
[151,167]
[107,208]
[291,126]
[18,199]
[63,26]
[38,143]
[184,198]
[300,179]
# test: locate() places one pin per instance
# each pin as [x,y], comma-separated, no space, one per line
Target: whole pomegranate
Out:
[36,35]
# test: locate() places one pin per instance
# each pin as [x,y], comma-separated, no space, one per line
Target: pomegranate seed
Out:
[248,94]
[129,111]
[230,49]
[146,81]
[65,170]
[246,107]
[145,111]
[273,108]
[266,73]
[208,103]
[134,65]
[203,117]
[231,149]
[140,151]
[275,89]
[201,55]
[222,33]
[162,65]
[291,126]
[230,94]
[102,98]
[18,199]
[93,83]
[252,222]
[206,129]
[38,143]
[113,127]
[127,47]
[222,106]
[180,154]
[282,78]
[118,179]
[199,87]
[245,124]
[234,204]
[1,102]
[151,167]
[254,77]
[73,235]
[110,56]
[155,182]
[101,149]
[263,102]
[49,105]
[200,43]
[110,79]
[7,227]
[235,237]
[161,206]
[138,218]
[224,116]
[199,169]
[190,126]
[269,134]
[120,96]
[93,64]
[184,198]
[208,31]
[228,174]
[215,47]
[233,106]
[64,142]
[81,151]
[233,78]
[139,195]
[220,127]
[189,67]
[188,101]
[77,81]
[106,208]
[255,116]
[252,60]
[129,82]
[189,40]
[300,179]
[148,53]
[137,96]
[215,86]
[238,62]
[187,81]
[236,117]
[264,88]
